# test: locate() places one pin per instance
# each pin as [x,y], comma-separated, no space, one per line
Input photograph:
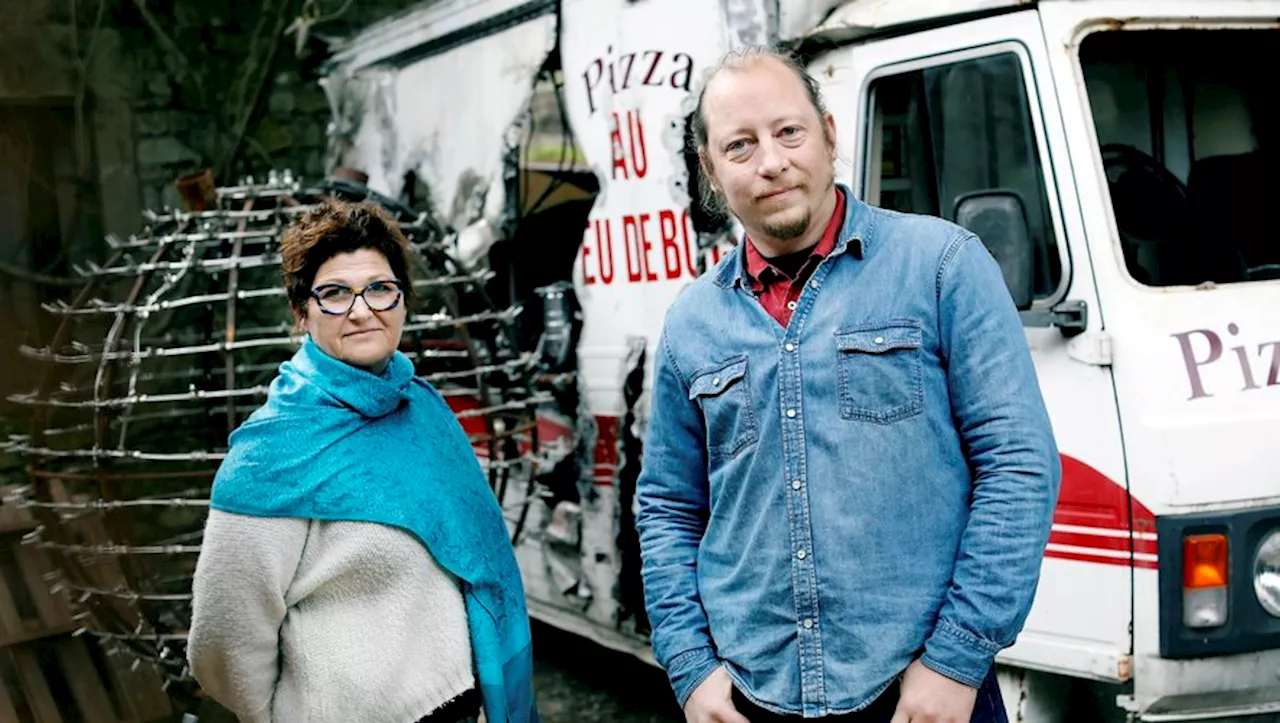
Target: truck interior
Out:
[1186,122]
[943,132]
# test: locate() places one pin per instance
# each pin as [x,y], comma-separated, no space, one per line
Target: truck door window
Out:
[942,132]
[1187,125]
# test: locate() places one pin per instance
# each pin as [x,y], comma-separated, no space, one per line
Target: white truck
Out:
[1113,154]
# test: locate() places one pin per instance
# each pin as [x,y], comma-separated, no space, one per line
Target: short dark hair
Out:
[333,227]
[735,60]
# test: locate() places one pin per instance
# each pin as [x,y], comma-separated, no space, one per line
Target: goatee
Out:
[789,230]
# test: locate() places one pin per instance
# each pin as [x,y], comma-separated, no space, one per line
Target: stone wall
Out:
[187,83]
[232,86]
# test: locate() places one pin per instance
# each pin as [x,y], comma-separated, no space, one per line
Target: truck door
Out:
[928,119]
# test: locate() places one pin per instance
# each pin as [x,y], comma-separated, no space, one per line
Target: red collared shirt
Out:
[778,292]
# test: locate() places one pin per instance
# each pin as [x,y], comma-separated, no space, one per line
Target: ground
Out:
[577,681]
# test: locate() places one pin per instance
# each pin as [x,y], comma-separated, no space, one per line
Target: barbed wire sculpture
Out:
[189,322]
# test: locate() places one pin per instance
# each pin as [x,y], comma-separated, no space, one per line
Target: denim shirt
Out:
[822,504]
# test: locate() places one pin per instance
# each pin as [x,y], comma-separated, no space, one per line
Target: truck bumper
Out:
[1254,705]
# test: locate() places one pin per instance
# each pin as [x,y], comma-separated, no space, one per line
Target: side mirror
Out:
[999,219]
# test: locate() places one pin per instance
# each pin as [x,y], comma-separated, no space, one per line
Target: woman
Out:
[355,564]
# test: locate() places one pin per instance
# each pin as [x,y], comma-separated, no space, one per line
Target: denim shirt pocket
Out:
[723,392]
[880,371]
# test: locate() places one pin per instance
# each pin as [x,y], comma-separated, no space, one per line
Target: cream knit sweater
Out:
[300,620]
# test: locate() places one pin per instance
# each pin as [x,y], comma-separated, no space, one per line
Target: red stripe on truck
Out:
[1097,521]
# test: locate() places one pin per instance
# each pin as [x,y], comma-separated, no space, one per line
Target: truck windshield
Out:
[1187,124]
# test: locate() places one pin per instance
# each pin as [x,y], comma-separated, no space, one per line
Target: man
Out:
[849,473]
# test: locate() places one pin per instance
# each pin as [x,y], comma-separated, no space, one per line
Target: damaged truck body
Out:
[1112,155]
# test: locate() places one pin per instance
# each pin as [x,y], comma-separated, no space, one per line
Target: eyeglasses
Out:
[339,299]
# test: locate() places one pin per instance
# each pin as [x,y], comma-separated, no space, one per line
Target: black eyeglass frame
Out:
[399,287]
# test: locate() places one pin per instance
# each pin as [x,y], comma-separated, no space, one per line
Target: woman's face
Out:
[363,336]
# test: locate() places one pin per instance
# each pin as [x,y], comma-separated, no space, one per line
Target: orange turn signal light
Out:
[1204,561]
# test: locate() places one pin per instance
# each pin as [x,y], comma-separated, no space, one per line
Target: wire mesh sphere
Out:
[171,343]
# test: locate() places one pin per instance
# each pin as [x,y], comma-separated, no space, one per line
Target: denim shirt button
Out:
[790,346]
[791,413]
[791,305]
[879,339]
[797,485]
[808,623]
[800,555]
[715,382]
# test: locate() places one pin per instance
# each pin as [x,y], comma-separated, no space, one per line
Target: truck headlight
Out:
[1266,573]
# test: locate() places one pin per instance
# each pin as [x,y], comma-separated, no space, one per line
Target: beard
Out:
[787,230]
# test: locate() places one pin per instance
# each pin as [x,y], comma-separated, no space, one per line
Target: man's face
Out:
[767,153]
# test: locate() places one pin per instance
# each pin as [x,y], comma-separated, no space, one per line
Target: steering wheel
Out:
[1150,203]
[1264,272]
[1121,157]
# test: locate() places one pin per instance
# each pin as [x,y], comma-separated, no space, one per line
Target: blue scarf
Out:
[334,442]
